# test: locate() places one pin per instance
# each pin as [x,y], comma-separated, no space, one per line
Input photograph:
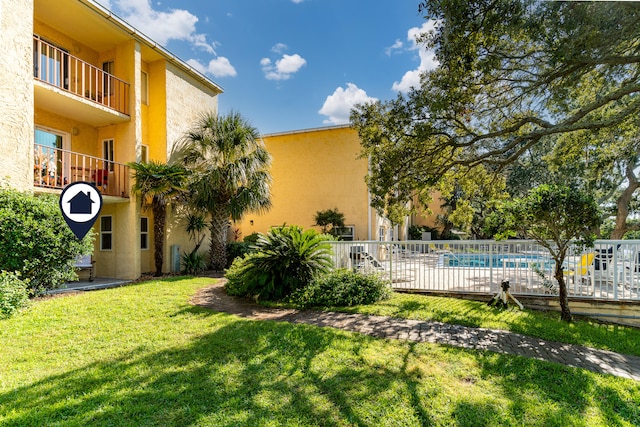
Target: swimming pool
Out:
[481,260]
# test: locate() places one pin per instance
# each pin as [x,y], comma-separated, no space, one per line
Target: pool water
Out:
[497,260]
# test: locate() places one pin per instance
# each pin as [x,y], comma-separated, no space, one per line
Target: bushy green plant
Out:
[342,288]
[285,259]
[193,262]
[235,250]
[36,241]
[13,293]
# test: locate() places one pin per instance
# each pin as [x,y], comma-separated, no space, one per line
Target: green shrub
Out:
[342,288]
[13,293]
[193,262]
[235,250]
[285,259]
[36,241]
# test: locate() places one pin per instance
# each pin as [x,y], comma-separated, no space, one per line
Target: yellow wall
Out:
[314,170]
[176,96]
[16,93]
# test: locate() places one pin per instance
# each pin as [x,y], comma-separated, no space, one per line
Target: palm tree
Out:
[229,167]
[162,183]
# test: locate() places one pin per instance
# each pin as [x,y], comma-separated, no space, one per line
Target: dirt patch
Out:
[215,298]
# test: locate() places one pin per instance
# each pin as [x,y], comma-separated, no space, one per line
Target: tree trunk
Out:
[622,204]
[159,219]
[218,229]
[565,312]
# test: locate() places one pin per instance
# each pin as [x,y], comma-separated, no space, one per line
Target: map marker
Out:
[80,204]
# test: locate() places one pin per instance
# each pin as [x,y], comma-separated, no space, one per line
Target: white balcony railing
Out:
[57,67]
[55,168]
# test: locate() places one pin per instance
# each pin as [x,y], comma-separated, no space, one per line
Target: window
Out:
[107,154]
[144,233]
[106,233]
[346,233]
[144,153]
[382,231]
[144,88]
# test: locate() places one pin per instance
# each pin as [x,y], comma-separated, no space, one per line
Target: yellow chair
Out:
[583,270]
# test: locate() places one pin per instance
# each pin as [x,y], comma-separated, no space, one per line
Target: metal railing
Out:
[608,271]
[57,67]
[56,168]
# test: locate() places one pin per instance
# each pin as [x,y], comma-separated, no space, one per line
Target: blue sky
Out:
[290,64]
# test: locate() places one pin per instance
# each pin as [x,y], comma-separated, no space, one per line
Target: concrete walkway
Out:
[602,361]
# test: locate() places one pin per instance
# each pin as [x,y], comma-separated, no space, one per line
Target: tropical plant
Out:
[230,176]
[195,226]
[36,241]
[342,288]
[193,262]
[158,184]
[285,259]
[555,217]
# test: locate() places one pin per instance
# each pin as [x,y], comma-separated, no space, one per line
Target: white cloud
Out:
[397,46]
[283,68]
[105,3]
[297,1]
[174,24]
[279,48]
[218,67]
[427,59]
[338,105]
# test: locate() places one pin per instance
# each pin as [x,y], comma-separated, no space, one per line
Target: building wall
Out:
[176,97]
[186,99]
[16,93]
[315,170]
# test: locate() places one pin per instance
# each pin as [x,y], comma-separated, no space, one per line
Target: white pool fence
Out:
[608,271]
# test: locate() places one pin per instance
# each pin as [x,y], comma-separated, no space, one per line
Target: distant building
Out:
[319,169]
[82,93]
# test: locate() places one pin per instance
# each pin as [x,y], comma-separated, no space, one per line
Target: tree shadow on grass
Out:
[242,372]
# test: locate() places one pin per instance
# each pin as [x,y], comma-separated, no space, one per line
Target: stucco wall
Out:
[315,170]
[186,99]
[16,93]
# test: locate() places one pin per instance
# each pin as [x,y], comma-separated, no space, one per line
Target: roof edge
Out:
[293,132]
[140,36]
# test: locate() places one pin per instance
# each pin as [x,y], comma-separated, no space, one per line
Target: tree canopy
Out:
[230,175]
[511,75]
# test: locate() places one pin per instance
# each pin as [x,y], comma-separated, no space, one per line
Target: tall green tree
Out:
[555,217]
[158,184]
[230,176]
[508,78]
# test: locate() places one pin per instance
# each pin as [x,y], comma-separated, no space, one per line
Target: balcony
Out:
[54,168]
[58,68]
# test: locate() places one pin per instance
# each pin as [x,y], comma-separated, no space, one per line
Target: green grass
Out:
[142,355]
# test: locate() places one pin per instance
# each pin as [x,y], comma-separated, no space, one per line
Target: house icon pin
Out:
[81,203]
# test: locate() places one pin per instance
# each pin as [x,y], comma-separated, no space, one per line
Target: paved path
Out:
[602,361]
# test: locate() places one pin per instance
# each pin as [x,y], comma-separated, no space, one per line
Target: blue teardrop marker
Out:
[80,204]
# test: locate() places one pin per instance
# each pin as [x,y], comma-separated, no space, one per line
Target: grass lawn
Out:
[141,355]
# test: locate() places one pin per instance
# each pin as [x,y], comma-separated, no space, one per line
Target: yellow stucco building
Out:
[319,169]
[82,93]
